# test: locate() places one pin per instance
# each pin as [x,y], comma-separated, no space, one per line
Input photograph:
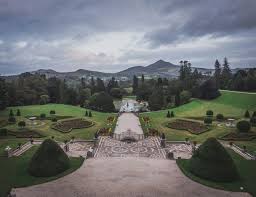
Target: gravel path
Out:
[126,177]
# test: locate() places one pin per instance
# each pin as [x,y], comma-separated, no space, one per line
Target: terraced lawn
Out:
[100,120]
[14,173]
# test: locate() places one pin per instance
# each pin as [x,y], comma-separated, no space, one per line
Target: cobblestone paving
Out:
[180,150]
[149,147]
[79,148]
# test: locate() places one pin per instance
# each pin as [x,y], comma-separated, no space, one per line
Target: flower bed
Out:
[105,131]
[191,126]
[145,119]
[66,126]
[236,136]
[111,119]
[24,133]
[153,132]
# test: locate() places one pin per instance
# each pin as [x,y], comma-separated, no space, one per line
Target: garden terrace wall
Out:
[191,126]
[66,126]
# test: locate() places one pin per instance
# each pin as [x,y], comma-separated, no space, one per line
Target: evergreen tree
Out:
[86,113]
[177,99]
[90,114]
[226,74]
[100,87]
[135,84]
[168,114]
[11,114]
[142,78]
[18,112]
[156,100]
[92,84]
[3,94]
[217,73]
[247,114]
[172,114]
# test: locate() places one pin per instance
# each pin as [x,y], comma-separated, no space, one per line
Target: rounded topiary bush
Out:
[209,113]
[49,160]
[253,121]
[52,112]
[247,114]
[219,117]
[243,126]
[211,161]
[42,116]
[208,120]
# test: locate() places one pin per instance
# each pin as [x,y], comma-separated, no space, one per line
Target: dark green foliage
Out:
[42,116]
[52,112]
[208,120]
[12,119]
[11,113]
[243,126]
[90,114]
[253,121]
[209,113]
[211,161]
[3,132]
[247,114]
[135,84]
[3,94]
[22,124]
[156,100]
[116,93]
[254,114]
[102,102]
[18,112]
[172,114]
[54,119]
[219,117]
[177,100]
[168,114]
[49,160]
[209,90]
[86,113]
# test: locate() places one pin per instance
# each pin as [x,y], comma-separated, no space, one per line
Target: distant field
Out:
[230,104]
[61,110]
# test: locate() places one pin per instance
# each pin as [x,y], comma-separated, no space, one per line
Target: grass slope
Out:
[230,104]
[62,110]
[14,173]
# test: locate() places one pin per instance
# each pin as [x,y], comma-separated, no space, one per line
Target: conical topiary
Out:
[168,115]
[211,161]
[49,160]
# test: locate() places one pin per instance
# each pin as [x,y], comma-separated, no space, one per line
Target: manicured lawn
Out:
[13,143]
[14,173]
[246,169]
[100,120]
[230,104]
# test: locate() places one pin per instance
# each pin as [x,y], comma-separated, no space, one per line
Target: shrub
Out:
[11,113]
[185,96]
[44,164]
[172,114]
[211,161]
[42,116]
[247,114]
[3,132]
[22,124]
[254,114]
[168,114]
[12,119]
[90,114]
[54,119]
[86,113]
[52,112]
[102,102]
[209,113]
[253,121]
[243,126]
[18,113]
[208,120]
[219,117]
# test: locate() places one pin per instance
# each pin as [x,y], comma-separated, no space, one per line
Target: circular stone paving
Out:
[149,147]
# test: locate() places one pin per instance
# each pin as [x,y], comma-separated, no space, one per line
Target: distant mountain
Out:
[158,69]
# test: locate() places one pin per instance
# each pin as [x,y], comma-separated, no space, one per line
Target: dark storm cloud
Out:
[110,35]
[203,17]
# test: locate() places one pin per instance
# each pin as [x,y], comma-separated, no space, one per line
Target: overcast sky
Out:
[109,36]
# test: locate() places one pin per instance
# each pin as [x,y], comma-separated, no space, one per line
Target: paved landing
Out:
[128,121]
[125,177]
[148,147]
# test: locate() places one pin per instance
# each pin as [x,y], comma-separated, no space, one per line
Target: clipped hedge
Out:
[243,126]
[209,113]
[211,161]
[49,160]
[219,117]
